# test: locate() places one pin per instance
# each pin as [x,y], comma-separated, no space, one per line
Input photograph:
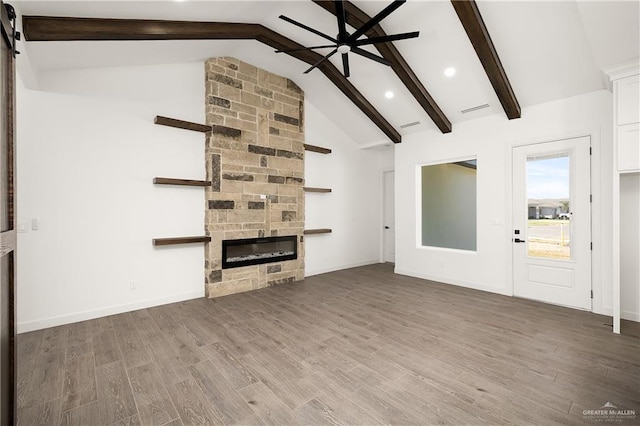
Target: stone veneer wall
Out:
[256,149]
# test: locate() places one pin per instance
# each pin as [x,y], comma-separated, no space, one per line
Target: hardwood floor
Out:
[359,346]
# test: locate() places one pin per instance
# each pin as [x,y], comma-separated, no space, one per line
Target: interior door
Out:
[389,238]
[552,222]
[7,224]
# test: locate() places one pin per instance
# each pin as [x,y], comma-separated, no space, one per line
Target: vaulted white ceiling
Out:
[549,49]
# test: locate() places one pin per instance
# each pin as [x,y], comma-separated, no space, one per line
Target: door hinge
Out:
[591,198]
[590,152]
[592,294]
[591,246]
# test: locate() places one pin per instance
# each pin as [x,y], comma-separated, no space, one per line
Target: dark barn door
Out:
[7,221]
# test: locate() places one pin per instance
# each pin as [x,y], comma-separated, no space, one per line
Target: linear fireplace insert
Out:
[254,251]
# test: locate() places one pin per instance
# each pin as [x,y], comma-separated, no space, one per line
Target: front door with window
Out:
[552,222]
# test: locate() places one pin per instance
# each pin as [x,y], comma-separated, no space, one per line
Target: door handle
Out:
[518,240]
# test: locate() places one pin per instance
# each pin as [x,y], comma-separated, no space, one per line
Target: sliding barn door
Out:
[7,228]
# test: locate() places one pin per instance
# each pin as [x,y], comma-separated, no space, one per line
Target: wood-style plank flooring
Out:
[356,347]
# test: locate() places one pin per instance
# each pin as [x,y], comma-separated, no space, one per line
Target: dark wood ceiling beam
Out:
[356,18]
[44,28]
[47,28]
[473,24]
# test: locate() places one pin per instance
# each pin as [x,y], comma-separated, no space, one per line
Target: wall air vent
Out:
[415,123]
[475,108]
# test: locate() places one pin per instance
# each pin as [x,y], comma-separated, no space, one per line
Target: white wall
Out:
[87,151]
[491,139]
[353,208]
[630,246]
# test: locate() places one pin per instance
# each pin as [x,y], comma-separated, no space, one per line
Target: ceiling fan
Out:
[345,42]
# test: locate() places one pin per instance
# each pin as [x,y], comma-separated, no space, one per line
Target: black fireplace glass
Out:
[254,251]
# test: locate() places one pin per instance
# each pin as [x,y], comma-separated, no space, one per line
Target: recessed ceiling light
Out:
[450,72]
[389,94]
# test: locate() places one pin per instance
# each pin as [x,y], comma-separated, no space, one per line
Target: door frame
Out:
[598,263]
[381,212]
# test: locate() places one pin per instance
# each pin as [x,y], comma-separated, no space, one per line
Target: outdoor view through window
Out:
[549,210]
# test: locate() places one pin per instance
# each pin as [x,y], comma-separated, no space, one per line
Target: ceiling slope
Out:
[357,18]
[46,28]
[473,24]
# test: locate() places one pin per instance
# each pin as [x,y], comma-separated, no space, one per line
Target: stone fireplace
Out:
[255,161]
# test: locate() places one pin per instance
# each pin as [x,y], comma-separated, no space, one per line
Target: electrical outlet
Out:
[132,285]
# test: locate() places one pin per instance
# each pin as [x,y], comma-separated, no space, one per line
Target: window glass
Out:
[449,205]
[548,203]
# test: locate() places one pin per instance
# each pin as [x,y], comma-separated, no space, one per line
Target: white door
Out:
[552,222]
[388,219]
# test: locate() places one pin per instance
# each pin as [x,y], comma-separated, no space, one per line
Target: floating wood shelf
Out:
[310,189]
[319,149]
[180,240]
[183,182]
[181,124]
[317,231]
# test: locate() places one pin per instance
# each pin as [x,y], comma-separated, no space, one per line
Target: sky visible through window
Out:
[548,177]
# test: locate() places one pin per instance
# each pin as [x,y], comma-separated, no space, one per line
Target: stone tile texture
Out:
[256,166]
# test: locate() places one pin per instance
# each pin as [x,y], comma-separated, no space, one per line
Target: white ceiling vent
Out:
[404,126]
[475,108]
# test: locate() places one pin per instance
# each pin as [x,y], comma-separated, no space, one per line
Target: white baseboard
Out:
[55,321]
[631,316]
[604,310]
[625,315]
[458,283]
[339,267]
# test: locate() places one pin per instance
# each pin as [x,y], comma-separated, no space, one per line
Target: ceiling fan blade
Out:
[376,19]
[342,26]
[345,64]
[370,55]
[384,39]
[306,48]
[303,26]
[321,61]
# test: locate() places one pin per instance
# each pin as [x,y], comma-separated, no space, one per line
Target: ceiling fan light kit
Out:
[344,48]
[346,43]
